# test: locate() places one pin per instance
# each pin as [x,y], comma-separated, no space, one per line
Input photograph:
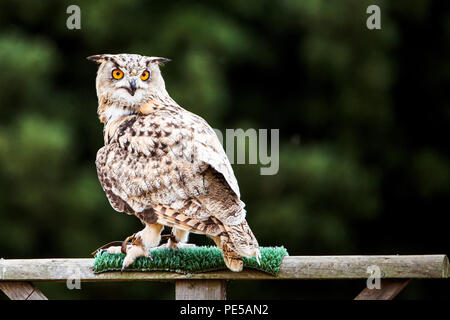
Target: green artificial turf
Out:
[189,260]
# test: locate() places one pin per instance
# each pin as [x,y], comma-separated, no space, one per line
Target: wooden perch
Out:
[21,290]
[396,271]
[292,267]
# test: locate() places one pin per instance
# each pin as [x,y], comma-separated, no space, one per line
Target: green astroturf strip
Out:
[189,260]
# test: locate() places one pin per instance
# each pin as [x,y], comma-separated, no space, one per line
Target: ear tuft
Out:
[99,58]
[158,60]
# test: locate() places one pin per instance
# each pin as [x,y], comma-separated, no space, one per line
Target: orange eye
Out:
[117,74]
[145,75]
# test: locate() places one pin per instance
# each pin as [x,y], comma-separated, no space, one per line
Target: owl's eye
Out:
[117,74]
[145,75]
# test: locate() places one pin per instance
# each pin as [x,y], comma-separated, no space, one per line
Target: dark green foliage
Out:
[363,118]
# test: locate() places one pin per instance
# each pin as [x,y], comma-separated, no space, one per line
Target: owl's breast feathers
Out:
[172,158]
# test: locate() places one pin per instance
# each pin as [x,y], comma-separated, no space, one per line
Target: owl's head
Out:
[127,80]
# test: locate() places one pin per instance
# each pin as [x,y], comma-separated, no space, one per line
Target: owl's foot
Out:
[179,245]
[173,244]
[141,244]
[134,251]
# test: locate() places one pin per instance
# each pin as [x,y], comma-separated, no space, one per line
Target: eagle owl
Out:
[164,164]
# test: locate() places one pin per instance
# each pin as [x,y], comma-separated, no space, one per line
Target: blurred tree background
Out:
[364,158]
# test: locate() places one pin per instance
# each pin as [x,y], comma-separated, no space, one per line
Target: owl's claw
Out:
[125,246]
[185,245]
[173,245]
[149,255]
[258,256]
[132,253]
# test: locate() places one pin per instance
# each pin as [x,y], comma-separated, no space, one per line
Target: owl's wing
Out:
[162,160]
[171,169]
[209,150]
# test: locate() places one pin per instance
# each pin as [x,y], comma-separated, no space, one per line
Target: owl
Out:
[164,165]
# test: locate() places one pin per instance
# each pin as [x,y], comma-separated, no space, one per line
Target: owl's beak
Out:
[132,88]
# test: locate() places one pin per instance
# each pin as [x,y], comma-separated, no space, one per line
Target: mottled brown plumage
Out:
[164,164]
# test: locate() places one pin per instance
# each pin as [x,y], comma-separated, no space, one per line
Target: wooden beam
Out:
[389,289]
[292,267]
[200,290]
[21,290]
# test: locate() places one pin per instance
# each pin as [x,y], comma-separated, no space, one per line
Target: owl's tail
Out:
[237,241]
[174,218]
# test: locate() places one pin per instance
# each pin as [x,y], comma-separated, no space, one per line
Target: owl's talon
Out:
[125,245]
[185,245]
[124,266]
[162,246]
[258,257]
[149,255]
[173,245]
